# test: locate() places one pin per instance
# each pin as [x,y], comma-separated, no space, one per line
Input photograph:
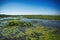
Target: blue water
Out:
[45,23]
[48,23]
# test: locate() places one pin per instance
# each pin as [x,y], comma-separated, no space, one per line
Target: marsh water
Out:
[46,23]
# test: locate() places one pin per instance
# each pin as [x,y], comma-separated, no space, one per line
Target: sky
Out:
[30,7]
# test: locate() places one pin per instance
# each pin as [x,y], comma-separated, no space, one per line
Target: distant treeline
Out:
[2,16]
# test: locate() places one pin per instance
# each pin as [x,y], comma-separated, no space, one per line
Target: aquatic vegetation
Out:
[36,33]
[25,24]
[14,28]
[40,33]
[47,17]
[9,32]
[13,23]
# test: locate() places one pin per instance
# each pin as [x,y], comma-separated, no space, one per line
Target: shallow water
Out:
[48,23]
[45,23]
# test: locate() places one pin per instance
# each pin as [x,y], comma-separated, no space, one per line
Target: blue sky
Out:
[29,7]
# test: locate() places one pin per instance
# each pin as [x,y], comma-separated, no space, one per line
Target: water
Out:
[50,23]
[47,23]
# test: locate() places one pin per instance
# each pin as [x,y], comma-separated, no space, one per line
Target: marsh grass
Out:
[36,32]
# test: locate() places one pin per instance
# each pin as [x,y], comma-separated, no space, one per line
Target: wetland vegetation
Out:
[24,30]
[48,17]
